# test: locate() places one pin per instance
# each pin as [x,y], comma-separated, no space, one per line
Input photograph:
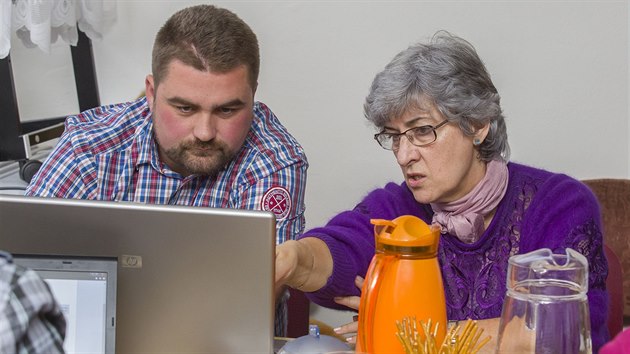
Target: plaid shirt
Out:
[30,318]
[109,153]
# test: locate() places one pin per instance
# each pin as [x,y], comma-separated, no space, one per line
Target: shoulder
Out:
[268,132]
[268,135]
[7,272]
[37,324]
[108,127]
[549,185]
[557,210]
[14,277]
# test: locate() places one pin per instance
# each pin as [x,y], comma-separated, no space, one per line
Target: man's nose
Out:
[205,128]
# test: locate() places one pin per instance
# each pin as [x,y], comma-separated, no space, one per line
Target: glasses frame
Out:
[406,134]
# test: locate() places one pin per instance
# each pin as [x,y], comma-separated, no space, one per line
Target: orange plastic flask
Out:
[403,280]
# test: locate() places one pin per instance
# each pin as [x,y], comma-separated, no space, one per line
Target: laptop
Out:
[189,279]
[85,289]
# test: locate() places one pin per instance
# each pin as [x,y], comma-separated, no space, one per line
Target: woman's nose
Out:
[407,152]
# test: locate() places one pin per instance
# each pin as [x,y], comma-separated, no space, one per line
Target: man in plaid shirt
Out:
[30,318]
[198,138]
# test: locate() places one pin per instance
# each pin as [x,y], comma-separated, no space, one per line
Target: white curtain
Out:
[38,23]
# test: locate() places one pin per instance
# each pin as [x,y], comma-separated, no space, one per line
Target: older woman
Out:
[437,109]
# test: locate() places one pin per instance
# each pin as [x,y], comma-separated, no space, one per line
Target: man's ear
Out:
[149,90]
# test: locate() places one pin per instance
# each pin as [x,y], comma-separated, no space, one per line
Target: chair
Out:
[614,198]
[298,310]
[615,290]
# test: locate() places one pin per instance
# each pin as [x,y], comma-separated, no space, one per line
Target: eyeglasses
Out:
[418,136]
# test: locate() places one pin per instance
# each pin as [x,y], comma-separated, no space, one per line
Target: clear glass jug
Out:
[546,308]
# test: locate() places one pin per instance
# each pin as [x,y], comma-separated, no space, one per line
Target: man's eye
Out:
[184,109]
[226,110]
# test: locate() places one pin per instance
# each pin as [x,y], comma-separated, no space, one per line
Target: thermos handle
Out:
[367,306]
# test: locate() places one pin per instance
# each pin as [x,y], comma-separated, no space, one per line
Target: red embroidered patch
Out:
[278,201]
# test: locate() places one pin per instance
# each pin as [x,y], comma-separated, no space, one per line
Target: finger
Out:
[352,302]
[358,281]
[348,328]
[286,262]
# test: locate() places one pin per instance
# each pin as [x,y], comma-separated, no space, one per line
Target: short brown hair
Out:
[207,38]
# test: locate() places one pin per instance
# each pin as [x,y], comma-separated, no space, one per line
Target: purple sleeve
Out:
[350,238]
[565,213]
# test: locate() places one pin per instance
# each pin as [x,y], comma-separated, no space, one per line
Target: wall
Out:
[560,66]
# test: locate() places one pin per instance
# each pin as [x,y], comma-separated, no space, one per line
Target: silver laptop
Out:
[85,289]
[190,279]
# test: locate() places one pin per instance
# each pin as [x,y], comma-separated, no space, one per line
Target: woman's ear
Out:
[481,134]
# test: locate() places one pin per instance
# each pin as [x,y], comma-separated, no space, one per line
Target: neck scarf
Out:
[464,217]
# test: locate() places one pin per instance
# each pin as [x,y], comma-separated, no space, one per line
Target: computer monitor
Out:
[85,289]
[190,279]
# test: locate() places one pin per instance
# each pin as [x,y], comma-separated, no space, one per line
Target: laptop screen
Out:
[86,292]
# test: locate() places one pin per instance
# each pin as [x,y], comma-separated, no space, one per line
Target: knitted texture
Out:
[539,210]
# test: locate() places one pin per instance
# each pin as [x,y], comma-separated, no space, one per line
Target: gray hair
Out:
[449,73]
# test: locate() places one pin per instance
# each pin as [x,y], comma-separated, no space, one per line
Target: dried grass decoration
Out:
[415,342]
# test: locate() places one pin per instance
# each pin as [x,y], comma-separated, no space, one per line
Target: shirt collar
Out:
[146,146]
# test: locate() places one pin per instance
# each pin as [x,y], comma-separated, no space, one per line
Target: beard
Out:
[199,157]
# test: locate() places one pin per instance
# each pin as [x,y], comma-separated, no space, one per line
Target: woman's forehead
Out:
[423,108]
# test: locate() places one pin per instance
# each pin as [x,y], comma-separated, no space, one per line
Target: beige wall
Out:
[560,66]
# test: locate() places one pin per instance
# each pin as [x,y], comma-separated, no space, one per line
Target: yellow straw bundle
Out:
[454,342]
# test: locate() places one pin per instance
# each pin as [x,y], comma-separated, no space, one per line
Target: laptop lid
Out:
[85,289]
[190,279]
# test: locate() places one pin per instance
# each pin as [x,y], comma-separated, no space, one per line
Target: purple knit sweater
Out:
[540,210]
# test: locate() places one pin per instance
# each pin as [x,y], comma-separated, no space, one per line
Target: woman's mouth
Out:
[415,180]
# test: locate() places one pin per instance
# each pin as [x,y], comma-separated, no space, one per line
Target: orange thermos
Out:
[403,281]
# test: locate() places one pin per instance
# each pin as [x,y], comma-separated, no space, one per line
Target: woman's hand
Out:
[304,265]
[353,303]
[286,263]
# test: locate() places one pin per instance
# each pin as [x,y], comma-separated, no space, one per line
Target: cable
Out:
[13,188]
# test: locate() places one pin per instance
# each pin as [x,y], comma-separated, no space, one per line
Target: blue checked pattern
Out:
[108,153]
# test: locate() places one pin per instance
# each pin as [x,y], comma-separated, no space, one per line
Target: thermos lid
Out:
[406,231]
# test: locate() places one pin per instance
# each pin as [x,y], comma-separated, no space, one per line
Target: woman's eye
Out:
[423,130]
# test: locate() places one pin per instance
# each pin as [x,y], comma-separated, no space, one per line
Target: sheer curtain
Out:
[38,23]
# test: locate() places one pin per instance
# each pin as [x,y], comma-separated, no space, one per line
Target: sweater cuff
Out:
[341,282]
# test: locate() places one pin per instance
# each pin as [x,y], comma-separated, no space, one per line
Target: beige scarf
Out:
[464,217]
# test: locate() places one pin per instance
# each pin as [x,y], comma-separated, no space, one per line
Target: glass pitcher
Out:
[546,308]
[403,280]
